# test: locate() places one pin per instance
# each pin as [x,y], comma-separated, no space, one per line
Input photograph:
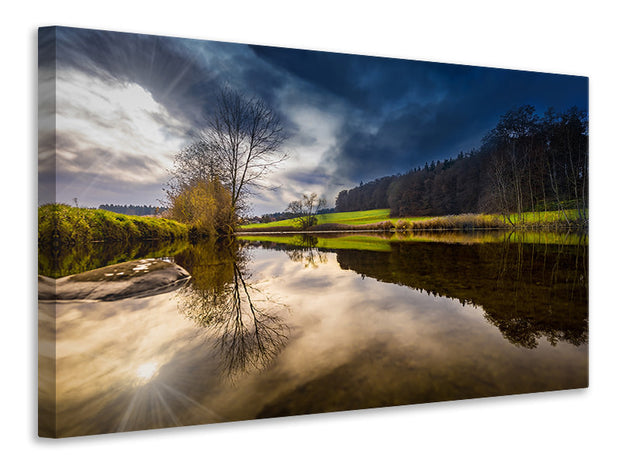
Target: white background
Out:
[562,37]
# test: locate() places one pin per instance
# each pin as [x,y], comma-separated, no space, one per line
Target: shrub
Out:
[402,225]
[385,225]
[204,206]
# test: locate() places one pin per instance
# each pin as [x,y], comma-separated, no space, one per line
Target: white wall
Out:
[569,37]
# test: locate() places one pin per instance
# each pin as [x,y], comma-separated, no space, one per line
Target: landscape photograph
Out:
[232,232]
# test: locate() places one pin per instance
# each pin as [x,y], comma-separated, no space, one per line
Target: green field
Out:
[376,216]
[352,218]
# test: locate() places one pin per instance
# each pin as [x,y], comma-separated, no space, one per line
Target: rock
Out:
[138,278]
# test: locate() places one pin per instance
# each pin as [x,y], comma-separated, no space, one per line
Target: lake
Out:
[278,325]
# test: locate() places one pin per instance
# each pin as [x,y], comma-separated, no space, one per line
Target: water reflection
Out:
[222,298]
[305,251]
[528,290]
[56,262]
[288,326]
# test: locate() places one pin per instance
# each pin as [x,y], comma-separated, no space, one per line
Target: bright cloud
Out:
[114,129]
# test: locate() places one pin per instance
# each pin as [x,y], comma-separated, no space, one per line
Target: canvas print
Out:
[234,232]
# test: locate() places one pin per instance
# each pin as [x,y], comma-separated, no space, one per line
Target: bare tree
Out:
[305,210]
[245,136]
[511,166]
[241,144]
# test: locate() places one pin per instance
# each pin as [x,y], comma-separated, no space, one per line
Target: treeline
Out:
[139,210]
[526,163]
[286,215]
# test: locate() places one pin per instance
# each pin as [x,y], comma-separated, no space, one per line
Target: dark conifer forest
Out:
[526,163]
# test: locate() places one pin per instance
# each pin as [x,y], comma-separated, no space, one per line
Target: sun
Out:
[146,371]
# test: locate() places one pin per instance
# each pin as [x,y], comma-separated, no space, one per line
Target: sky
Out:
[114,108]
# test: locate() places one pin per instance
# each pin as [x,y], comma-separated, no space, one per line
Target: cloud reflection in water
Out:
[351,342]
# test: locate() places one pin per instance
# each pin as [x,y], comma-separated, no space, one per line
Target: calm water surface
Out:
[295,325]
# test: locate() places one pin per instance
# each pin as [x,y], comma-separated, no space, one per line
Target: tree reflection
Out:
[305,251]
[527,290]
[222,298]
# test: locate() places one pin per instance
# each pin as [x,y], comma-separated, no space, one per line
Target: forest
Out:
[526,163]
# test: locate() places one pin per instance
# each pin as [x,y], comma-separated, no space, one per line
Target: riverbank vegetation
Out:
[62,225]
[202,205]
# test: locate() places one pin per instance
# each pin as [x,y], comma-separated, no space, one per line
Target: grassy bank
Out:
[381,220]
[64,225]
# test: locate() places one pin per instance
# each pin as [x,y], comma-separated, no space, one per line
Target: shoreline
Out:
[275,231]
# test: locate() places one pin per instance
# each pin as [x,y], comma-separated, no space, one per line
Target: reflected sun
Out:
[146,371]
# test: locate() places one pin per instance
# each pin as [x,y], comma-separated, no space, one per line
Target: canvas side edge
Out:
[46,131]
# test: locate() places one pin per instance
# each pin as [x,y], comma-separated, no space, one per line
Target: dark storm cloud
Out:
[350,117]
[365,82]
[411,112]
[315,176]
[122,167]
[374,82]
[173,78]
[333,73]
[184,75]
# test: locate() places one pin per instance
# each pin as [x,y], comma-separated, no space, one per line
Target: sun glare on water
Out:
[146,371]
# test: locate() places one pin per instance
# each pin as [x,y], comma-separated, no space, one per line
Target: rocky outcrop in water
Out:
[138,278]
